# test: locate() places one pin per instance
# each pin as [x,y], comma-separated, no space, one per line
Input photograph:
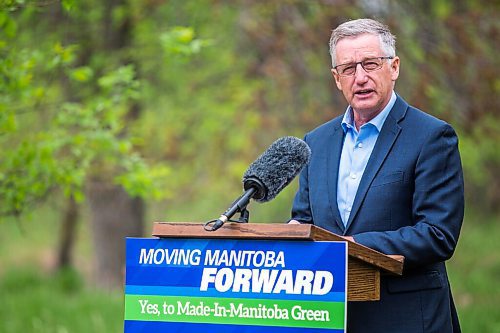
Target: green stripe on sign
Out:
[236,311]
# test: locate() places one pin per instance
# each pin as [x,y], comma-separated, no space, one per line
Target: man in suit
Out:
[388,176]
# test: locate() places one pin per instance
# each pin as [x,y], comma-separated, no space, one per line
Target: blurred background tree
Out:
[119,113]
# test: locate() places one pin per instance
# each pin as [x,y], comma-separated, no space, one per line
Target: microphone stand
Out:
[238,206]
[254,188]
[244,216]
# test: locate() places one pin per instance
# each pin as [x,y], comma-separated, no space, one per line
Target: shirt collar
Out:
[378,121]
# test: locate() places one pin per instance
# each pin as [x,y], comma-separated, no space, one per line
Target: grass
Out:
[34,299]
[475,275]
[39,303]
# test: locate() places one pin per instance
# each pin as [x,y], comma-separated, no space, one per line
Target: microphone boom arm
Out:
[239,205]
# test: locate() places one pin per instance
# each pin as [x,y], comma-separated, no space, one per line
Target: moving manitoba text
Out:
[243,271]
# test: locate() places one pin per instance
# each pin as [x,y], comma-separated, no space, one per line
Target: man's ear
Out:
[395,68]
[337,79]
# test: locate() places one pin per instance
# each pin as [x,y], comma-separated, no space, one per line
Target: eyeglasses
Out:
[369,65]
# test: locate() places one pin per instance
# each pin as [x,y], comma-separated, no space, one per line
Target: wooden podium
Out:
[364,264]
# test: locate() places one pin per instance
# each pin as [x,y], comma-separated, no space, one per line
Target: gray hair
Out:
[364,26]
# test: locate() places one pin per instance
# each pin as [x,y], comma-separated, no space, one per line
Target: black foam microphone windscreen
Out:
[276,167]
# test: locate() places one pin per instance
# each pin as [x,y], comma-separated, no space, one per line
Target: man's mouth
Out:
[364,92]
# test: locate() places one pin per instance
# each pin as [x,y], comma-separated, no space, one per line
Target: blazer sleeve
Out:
[301,210]
[437,206]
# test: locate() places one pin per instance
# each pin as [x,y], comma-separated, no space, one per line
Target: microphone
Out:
[270,173]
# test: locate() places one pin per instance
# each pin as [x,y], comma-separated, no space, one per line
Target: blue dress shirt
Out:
[356,151]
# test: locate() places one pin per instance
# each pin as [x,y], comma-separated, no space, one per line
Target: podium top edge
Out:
[278,231]
[237,230]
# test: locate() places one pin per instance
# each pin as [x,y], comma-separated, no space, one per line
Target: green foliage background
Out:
[216,82]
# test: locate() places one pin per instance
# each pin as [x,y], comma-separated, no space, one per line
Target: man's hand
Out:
[349,238]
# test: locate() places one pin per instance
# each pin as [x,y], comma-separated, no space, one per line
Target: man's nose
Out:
[360,74]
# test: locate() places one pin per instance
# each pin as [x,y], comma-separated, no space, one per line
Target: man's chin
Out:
[365,108]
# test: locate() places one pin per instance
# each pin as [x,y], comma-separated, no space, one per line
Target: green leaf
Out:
[82,74]
[68,4]
[7,25]
[180,40]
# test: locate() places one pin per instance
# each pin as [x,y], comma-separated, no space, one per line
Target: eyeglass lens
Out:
[368,65]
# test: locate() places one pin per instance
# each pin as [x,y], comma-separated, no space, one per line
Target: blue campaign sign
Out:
[215,285]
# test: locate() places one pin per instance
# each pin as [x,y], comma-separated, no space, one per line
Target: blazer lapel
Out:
[333,160]
[387,137]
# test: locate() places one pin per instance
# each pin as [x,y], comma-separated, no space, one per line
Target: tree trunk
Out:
[67,235]
[114,216]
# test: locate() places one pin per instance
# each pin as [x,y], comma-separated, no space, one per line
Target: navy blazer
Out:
[409,202]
